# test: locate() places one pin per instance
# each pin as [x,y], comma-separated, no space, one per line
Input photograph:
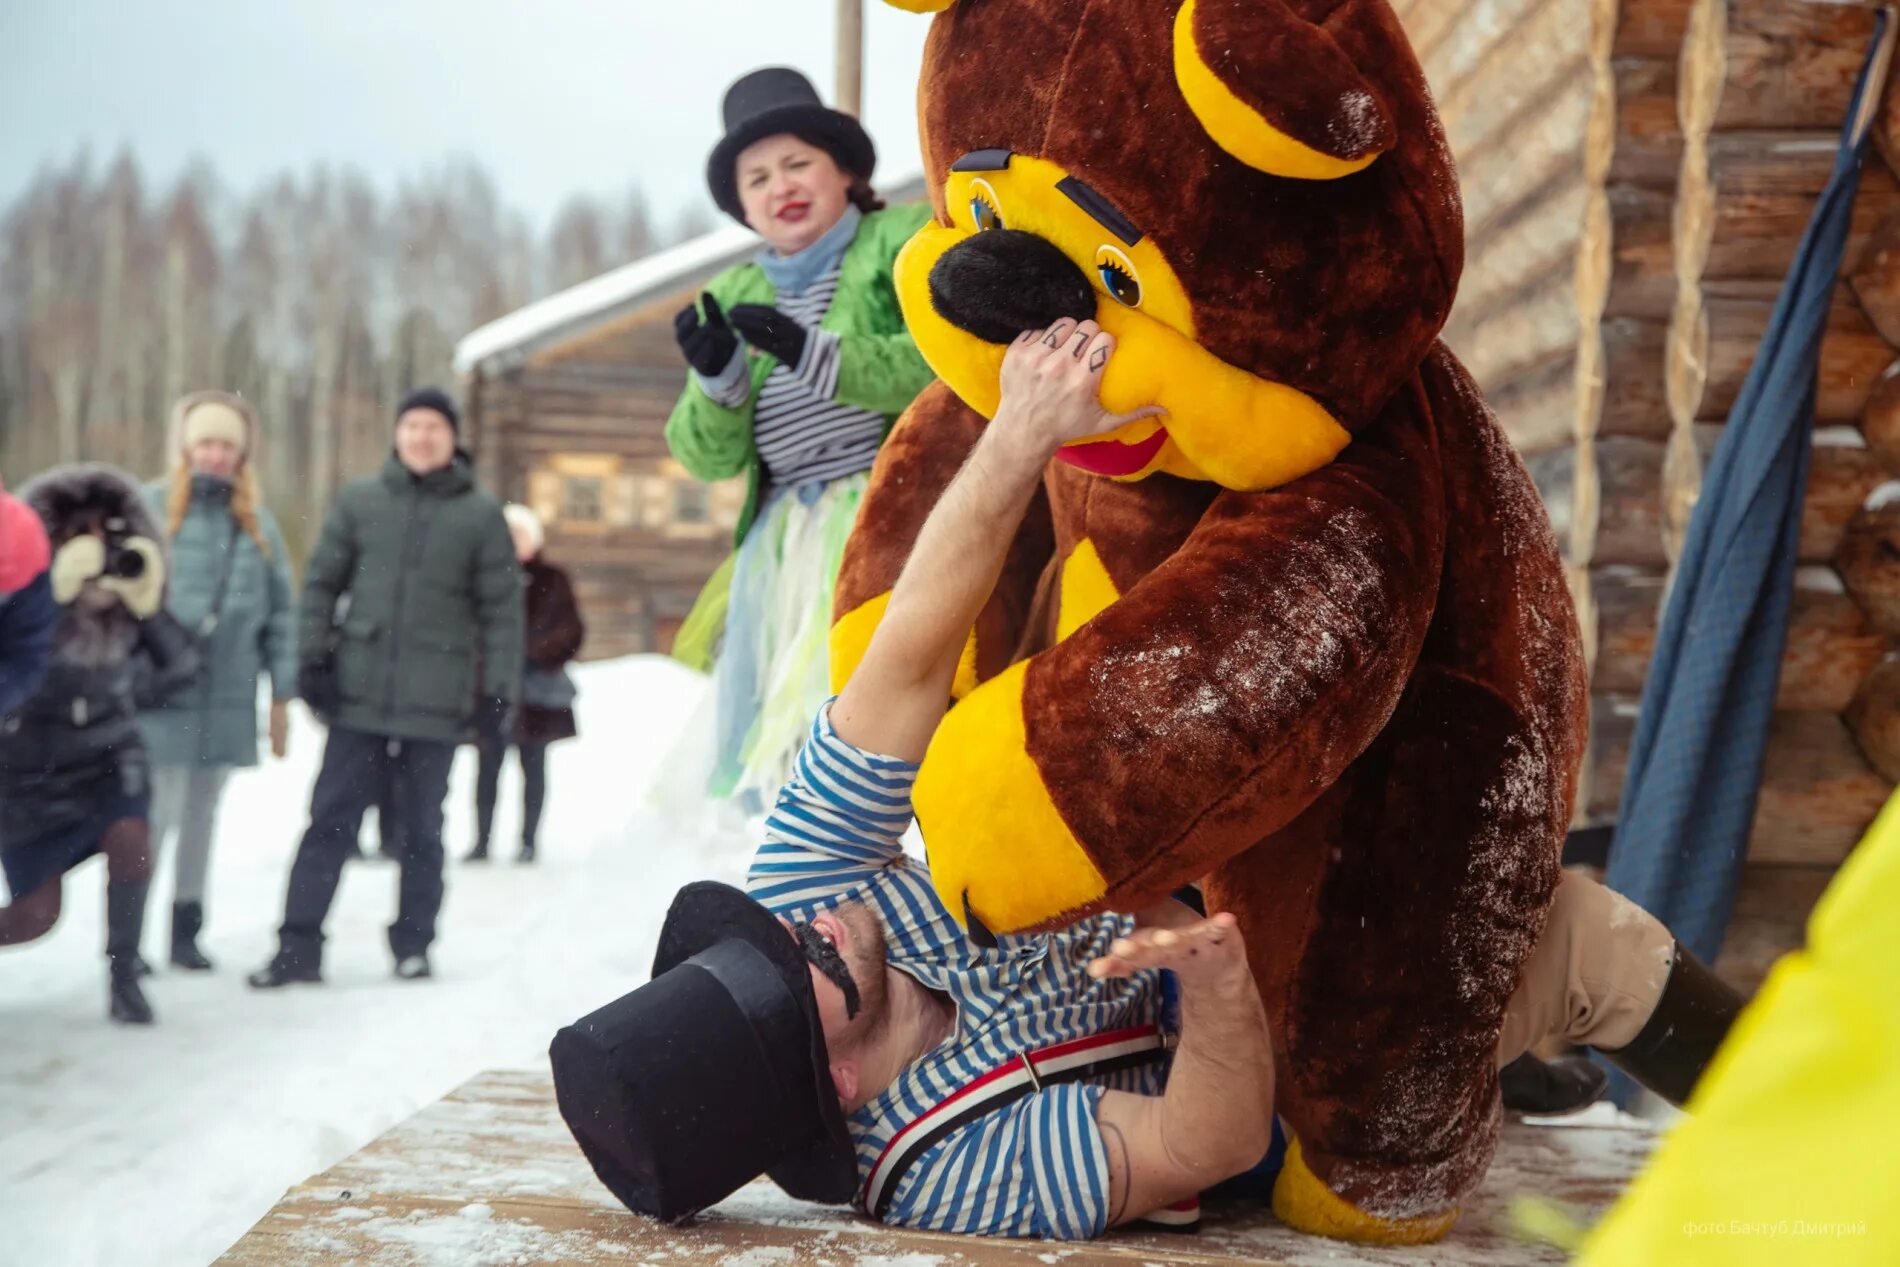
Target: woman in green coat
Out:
[230,585]
[800,364]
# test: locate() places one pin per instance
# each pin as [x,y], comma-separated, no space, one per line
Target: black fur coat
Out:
[73,749]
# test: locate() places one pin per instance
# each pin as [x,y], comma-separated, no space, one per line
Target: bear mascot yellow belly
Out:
[1303,638]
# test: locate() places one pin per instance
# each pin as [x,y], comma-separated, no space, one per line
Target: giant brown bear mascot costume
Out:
[1304,637]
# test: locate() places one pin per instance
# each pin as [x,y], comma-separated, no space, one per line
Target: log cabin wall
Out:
[1636,176]
[578,433]
[1763,90]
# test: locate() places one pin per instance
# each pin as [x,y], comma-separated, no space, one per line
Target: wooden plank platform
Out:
[489,1175]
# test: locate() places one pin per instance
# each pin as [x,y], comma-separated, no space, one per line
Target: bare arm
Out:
[1216,1117]
[900,690]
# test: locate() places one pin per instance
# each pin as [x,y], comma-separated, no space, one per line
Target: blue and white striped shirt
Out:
[1035,1167]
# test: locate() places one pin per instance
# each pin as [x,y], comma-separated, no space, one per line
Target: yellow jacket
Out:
[1792,1152]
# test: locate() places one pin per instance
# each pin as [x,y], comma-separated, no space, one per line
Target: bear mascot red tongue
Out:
[1303,638]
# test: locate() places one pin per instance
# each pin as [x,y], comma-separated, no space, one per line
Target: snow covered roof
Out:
[507,341]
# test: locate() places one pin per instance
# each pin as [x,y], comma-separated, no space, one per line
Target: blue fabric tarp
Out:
[1696,761]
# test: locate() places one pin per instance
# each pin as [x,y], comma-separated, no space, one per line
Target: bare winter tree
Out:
[317,299]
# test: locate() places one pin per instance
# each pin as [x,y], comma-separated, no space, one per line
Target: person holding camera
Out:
[409,643]
[230,586]
[74,779]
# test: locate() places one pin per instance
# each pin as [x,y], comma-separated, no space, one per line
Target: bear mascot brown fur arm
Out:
[1305,635]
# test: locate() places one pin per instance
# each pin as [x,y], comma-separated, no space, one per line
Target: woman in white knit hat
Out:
[230,585]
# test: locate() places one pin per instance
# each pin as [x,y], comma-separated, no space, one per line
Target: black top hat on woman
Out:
[775,100]
[712,1073]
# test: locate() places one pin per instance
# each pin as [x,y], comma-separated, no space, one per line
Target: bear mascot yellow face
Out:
[1260,209]
[1303,638]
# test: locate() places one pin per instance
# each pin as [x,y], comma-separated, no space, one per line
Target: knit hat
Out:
[523,519]
[431,398]
[780,100]
[213,415]
[215,420]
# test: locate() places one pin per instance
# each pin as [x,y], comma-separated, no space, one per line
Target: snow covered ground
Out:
[161,1146]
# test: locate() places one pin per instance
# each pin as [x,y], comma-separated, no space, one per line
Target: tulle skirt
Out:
[773,667]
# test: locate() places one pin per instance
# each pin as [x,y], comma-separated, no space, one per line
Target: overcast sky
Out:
[553,97]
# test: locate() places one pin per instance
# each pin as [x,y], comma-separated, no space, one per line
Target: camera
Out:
[127,565]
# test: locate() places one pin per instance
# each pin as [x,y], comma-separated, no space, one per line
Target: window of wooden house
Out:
[692,502]
[584,492]
[581,499]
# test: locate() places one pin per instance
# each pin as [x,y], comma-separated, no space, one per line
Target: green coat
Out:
[215,722]
[879,367]
[434,615]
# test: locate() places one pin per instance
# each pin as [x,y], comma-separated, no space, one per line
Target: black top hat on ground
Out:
[774,100]
[711,1073]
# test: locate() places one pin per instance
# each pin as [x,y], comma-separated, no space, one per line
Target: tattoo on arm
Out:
[1114,1144]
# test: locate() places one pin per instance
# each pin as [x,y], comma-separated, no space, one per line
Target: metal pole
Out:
[850,97]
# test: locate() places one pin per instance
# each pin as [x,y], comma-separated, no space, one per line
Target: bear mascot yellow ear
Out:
[1295,107]
[1304,636]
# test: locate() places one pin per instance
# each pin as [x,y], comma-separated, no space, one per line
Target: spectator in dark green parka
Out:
[410,643]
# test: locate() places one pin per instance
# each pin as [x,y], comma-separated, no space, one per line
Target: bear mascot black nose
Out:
[1001,282]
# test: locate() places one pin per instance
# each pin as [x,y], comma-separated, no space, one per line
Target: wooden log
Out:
[1831,647]
[1744,200]
[1487,88]
[1880,421]
[1817,796]
[1606,757]
[1649,29]
[1869,559]
[1772,905]
[1620,380]
[1818,792]
[1555,474]
[1634,137]
[1717,329]
[1536,243]
[1520,336]
[1617,512]
[1786,64]
[1625,260]
[1543,149]
[1876,280]
[1874,717]
[1538,411]
[1625,603]
[1840,476]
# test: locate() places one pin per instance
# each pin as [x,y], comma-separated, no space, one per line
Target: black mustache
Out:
[825,957]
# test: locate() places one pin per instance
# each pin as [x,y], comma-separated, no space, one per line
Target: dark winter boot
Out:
[1550,1088]
[125,921]
[1679,1039]
[187,919]
[285,969]
[479,853]
[527,852]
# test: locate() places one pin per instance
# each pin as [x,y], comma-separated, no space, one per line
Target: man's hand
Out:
[1052,384]
[317,685]
[279,728]
[1204,954]
[1216,1117]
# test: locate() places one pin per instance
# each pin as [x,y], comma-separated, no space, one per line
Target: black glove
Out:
[493,715]
[769,330]
[316,686]
[708,345]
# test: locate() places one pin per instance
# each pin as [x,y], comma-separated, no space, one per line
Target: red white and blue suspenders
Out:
[1070,1061]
